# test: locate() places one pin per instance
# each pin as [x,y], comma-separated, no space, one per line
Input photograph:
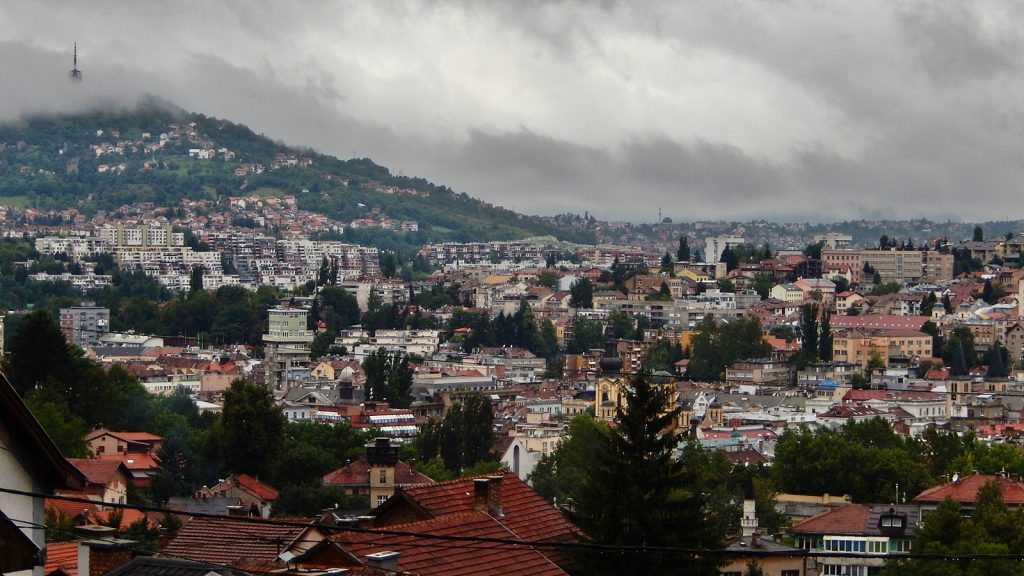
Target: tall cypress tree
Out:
[683,253]
[809,328]
[637,494]
[996,365]
[825,336]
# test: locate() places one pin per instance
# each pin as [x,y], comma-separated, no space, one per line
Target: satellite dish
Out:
[956,477]
[76,74]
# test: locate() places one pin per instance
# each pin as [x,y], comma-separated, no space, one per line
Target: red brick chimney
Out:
[487,495]
[97,557]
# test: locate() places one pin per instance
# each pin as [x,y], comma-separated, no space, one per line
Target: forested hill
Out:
[157,153]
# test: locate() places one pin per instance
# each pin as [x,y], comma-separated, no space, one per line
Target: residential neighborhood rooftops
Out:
[232,541]
[965,490]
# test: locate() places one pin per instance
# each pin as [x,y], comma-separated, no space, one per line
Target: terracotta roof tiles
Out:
[97,471]
[358,474]
[62,556]
[465,560]
[232,541]
[965,490]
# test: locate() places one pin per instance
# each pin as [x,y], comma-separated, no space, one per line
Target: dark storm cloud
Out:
[704,109]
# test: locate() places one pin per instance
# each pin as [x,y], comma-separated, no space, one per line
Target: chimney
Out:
[487,495]
[97,557]
[383,560]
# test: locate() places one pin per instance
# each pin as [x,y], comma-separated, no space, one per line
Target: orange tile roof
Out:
[965,490]
[526,514]
[467,559]
[133,460]
[358,474]
[62,556]
[849,519]
[129,516]
[233,541]
[249,484]
[68,508]
[97,471]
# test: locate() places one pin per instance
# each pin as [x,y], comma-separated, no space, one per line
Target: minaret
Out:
[748,523]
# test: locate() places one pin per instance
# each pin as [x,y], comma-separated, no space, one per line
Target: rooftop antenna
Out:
[76,74]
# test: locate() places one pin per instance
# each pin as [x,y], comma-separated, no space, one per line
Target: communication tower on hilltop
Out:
[76,74]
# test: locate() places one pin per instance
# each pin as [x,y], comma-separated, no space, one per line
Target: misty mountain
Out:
[156,152]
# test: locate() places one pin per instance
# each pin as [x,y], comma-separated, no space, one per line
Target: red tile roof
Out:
[233,541]
[129,436]
[68,508]
[97,471]
[863,395]
[849,519]
[133,460]
[62,556]
[965,490]
[525,514]
[880,321]
[468,558]
[249,484]
[358,474]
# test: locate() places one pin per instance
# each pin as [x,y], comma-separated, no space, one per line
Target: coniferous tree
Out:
[683,253]
[809,329]
[253,428]
[825,336]
[979,234]
[996,364]
[637,493]
[581,294]
[666,263]
[730,259]
[959,365]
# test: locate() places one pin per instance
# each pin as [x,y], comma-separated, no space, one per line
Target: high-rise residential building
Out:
[715,245]
[83,325]
[286,344]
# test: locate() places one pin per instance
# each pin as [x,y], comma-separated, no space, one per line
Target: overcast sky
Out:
[788,111]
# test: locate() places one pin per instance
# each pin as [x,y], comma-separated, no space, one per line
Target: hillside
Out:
[157,153]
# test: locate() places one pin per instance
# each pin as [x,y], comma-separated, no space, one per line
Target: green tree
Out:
[195,281]
[463,438]
[809,329]
[561,473]
[813,251]
[762,284]
[683,252]
[729,257]
[825,336]
[388,378]
[636,493]
[581,294]
[979,234]
[713,347]
[666,263]
[252,428]
[586,335]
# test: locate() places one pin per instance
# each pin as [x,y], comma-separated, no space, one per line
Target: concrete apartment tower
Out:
[286,344]
[83,325]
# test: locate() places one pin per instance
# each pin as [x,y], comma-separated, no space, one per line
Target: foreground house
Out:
[496,506]
[31,463]
[255,496]
[377,475]
[866,532]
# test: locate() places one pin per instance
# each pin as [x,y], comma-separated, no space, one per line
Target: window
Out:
[790,573]
[381,498]
[383,476]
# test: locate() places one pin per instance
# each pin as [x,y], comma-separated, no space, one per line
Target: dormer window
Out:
[892,522]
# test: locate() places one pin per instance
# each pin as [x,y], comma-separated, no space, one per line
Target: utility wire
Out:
[516,542]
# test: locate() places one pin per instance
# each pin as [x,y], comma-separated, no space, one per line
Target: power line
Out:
[458,541]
